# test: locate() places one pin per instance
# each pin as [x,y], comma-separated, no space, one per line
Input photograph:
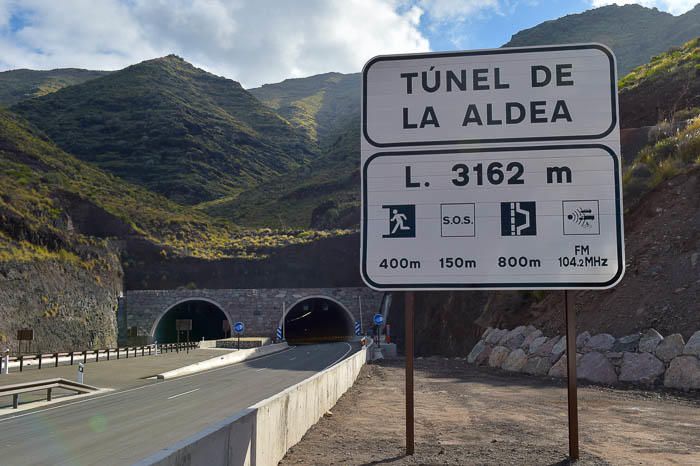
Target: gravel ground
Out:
[479,416]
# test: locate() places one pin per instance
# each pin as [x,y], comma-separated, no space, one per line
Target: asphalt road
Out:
[125,426]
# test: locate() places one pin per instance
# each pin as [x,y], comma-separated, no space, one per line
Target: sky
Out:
[265,41]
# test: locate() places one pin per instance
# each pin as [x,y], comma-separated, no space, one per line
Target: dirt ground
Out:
[481,416]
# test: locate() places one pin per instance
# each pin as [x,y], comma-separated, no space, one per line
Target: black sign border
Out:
[504,51]
[496,285]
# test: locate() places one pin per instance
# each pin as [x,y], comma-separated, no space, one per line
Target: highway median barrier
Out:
[223,360]
[262,434]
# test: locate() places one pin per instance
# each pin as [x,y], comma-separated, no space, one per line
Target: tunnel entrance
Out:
[314,320]
[208,322]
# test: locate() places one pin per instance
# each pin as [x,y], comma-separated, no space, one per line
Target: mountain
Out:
[320,105]
[666,88]
[633,32]
[173,128]
[321,195]
[17,85]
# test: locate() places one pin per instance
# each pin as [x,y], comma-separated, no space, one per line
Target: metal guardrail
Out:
[106,353]
[49,384]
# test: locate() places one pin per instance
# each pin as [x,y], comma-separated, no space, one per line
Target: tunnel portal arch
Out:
[317,318]
[207,317]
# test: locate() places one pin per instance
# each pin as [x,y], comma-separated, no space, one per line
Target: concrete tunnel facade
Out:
[143,314]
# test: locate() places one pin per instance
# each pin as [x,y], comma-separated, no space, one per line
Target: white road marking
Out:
[159,384]
[292,359]
[184,393]
[258,370]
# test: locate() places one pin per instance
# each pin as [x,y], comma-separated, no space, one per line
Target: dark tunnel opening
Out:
[208,321]
[315,320]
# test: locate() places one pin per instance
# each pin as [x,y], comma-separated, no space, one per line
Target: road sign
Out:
[183,325]
[530,94]
[239,327]
[358,328]
[378,319]
[25,334]
[494,169]
[278,333]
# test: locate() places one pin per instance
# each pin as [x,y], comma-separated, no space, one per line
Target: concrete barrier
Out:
[262,434]
[223,360]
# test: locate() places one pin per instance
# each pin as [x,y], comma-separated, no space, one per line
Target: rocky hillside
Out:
[17,85]
[173,128]
[666,88]
[633,32]
[321,105]
[67,228]
[321,195]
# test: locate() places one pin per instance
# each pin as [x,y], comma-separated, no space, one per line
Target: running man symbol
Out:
[402,221]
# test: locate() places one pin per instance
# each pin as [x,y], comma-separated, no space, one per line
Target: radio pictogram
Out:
[581,217]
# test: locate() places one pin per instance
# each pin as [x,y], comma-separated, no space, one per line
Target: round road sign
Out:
[239,327]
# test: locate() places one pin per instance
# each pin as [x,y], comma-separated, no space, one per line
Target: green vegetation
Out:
[683,62]
[45,191]
[633,32]
[173,128]
[324,194]
[319,105]
[18,85]
[671,154]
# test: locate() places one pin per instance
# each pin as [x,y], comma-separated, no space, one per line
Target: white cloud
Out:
[451,10]
[252,41]
[675,7]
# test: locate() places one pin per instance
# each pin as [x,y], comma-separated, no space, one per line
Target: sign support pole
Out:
[408,318]
[571,374]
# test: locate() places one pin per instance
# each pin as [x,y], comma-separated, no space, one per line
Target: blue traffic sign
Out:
[378,319]
[358,329]
[239,327]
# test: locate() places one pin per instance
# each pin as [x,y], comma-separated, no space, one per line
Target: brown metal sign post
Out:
[571,374]
[408,317]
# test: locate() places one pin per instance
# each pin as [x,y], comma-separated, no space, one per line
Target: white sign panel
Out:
[480,201]
[557,93]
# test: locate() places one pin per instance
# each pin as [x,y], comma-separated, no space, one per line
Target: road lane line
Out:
[185,393]
[292,359]
[258,370]
[158,384]
[340,358]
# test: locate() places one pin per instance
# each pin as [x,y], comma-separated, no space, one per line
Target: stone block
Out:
[641,368]
[545,349]
[495,336]
[474,353]
[513,340]
[536,343]
[595,367]
[560,367]
[670,347]
[515,361]
[558,349]
[532,336]
[693,346]
[498,356]
[627,344]
[537,365]
[650,339]
[582,339]
[483,357]
[601,342]
[683,373]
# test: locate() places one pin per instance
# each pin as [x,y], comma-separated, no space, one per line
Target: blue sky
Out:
[489,28]
[264,41]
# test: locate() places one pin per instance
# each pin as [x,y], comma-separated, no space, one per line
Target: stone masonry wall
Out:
[647,359]
[260,309]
